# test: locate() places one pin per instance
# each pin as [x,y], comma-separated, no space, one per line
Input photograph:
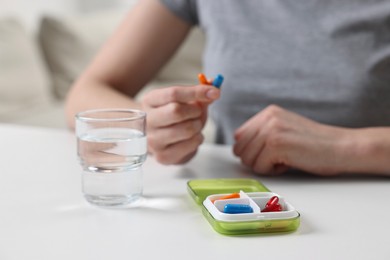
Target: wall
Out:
[29,11]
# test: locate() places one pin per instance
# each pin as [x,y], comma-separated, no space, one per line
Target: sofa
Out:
[38,66]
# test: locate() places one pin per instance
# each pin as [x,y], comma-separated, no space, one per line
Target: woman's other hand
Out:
[275,140]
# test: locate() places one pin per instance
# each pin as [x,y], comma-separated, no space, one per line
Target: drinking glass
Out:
[111,147]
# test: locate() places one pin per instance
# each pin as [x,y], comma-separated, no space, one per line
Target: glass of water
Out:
[111,146]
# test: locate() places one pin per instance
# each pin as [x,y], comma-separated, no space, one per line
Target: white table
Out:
[44,216]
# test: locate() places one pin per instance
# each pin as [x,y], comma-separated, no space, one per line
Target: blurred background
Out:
[30,12]
[46,44]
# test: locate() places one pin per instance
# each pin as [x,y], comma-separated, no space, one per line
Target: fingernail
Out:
[212,93]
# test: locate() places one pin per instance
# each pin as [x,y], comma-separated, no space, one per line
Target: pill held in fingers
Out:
[202,79]
[216,82]
[237,209]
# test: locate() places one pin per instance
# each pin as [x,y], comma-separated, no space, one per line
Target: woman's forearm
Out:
[86,95]
[144,41]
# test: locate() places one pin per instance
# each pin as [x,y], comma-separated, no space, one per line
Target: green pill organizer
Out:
[207,192]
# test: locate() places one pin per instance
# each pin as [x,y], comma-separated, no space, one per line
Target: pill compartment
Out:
[253,193]
[257,200]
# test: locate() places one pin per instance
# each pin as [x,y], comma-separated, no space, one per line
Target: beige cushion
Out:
[23,78]
[69,43]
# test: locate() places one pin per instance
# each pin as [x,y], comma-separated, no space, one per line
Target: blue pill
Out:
[237,209]
[218,81]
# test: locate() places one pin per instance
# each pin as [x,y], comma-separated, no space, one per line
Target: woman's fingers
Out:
[175,118]
[181,94]
[179,152]
[166,136]
[172,113]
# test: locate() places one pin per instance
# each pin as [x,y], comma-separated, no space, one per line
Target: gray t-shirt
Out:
[326,60]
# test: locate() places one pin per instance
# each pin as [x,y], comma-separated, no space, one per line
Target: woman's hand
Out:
[275,140]
[175,119]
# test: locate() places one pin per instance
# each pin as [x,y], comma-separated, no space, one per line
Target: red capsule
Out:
[272,205]
[272,201]
[272,208]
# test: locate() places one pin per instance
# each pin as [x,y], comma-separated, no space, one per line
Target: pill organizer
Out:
[207,194]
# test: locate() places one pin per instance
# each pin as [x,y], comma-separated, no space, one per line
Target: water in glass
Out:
[111,159]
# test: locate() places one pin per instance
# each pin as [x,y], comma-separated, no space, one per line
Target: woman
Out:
[306,82]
